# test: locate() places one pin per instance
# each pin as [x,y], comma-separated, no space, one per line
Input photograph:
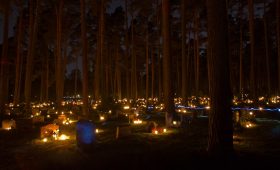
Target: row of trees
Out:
[124,48]
[143,49]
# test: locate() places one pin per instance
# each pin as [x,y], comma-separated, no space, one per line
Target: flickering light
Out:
[63,137]
[102,118]
[45,140]
[48,116]
[8,128]
[126,107]
[138,121]
[110,111]
[156,132]
[174,122]
[207,107]
[164,130]
[260,108]
[251,113]
[96,130]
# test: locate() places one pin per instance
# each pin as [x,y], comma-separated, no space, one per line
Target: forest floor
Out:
[180,148]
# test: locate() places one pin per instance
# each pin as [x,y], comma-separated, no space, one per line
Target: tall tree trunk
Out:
[197,60]
[183,46]
[34,12]
[44,76]
[4,59]
[147,64]
[59,62]
[84,60]
[241,84]
[153,74]
[167,63]
[278,40]
[126,51]
[19,56]
[159,53]
[98,62]
[220,140]
[133,64]
[266,51]
[252,47]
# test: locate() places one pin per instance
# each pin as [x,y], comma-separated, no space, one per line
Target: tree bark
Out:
[278,40]
[31,49]
[59,62]
[19,56]
[241,84]
[266,51]
[84,60]
[4,59]
[183,46]
[220,142]
[167,60]
[126,52]
[147,64]
[252,47]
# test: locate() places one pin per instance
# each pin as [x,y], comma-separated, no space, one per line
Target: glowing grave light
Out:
[164,130]
[207,107]
[96,130]
[63,137]
[45,140]
[48,116]
[110,111]
[174,122]
[260,108]
[126,107]
[138,121]
[251,113]
[156,132]
[102,118]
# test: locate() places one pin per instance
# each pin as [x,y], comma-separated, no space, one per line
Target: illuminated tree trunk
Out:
[147,64]
[241,85]
[98,63]
[59,58]
[197,61]
[167,60]
[252,47]
[18,57]
[153,74]
[220,142]
[126,52]
[4,59]
[278,40]
[31,49]
[159,54]
[183,46]
[44,77]
[266,51]
[134,88]
[84,60]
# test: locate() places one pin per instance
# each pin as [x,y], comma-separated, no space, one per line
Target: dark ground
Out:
[182,148]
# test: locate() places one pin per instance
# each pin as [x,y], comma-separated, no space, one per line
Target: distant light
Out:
[102,118]
[156,132]
[174,122]
[45,140]
[164,130]
[63,137]
[251,113]
[96,130]
[126,107]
